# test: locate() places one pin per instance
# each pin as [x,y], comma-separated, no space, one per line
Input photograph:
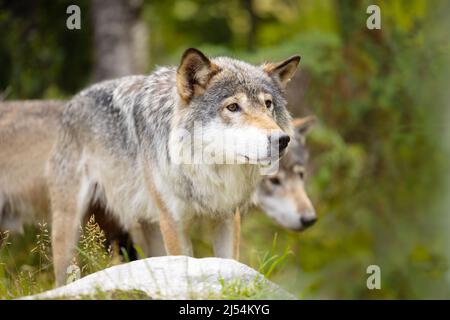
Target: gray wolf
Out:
[28,131]
[118,140]
[27,135]
[282,196]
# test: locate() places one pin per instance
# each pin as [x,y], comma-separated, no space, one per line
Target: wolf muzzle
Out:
[279,142]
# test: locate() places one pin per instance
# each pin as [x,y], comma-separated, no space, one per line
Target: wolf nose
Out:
[308,222]
[283,142]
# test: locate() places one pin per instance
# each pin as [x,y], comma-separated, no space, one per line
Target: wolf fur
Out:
[28,131]
[27,135]
[116,141]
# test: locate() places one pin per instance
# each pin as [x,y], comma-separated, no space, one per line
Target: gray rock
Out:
[174,277]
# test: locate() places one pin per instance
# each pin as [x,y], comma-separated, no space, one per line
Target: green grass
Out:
[111,295]
[26,266]
[26,263]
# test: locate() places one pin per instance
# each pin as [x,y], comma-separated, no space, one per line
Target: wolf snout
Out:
[283,142]
[307,222]
[279,141]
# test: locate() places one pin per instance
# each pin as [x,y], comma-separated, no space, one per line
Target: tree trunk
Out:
[253,20]
[120,38]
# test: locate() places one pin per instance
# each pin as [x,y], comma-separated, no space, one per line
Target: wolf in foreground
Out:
[117,141]
[27,130]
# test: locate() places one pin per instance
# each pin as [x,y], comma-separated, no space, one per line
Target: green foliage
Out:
[271,260]
[42,248]
[24,263]
[111,295]
[244,290]
[39,56]
[379,159]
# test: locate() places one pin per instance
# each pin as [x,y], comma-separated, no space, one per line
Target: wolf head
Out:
[282,196]
[237,109]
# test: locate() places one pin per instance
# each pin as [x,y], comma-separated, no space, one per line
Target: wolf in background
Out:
[282,196]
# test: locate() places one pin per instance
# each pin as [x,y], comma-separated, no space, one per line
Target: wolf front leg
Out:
[148,237]
[226,236]
[175,237]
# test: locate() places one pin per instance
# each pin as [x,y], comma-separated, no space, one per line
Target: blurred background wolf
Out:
[379,153]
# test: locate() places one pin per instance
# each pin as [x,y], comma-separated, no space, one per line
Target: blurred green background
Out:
[379,156]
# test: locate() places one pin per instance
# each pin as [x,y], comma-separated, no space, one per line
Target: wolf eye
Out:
[233,107]
[268,103]
[276,181]
[298,169]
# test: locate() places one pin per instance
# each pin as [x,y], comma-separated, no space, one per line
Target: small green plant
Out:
[268,264]
[93,254]
[237,289]
[4,237]
[4,242]
[43,245]
[270,261]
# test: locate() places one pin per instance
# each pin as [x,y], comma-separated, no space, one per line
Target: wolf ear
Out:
[303,125]
[283,71]
[194,73]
